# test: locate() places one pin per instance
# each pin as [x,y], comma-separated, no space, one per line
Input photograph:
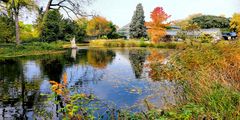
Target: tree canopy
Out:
[51,26]
[13,7]
[157,27]
[211,21]
[235,23]
[184,22]
[6,29]
[137,27]
[98,26]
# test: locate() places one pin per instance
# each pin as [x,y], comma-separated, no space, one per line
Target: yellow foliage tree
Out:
[98,26]
[235,23]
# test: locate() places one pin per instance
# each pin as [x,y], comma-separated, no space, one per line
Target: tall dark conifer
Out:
[137,27]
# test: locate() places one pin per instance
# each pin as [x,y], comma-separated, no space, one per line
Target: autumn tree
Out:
[235,23]
[157,27]
[137,28]
[98,26]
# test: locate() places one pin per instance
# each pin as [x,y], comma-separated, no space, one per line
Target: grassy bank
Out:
[134,43]
[211,78]
[35,48]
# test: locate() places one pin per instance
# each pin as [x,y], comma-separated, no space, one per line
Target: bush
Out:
[205,38]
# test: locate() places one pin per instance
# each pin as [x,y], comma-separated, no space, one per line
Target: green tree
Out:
[210,21]
[14,7]
[113,32]
[137,27]
[6,29]
[67,29]
[81,32]
[27,32]
[51,26]
[70,29]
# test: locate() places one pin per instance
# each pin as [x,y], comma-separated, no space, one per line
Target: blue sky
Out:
[120,11]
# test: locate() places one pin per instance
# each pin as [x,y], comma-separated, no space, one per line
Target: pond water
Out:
[119,78]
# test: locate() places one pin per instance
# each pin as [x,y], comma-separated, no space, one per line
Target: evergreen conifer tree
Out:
[137,27]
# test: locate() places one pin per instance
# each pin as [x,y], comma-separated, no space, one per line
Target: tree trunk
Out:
[48,6]
[17,28]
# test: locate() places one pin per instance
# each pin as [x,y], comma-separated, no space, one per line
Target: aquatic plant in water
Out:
[73,105]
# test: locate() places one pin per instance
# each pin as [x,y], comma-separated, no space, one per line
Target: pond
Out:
[117,78]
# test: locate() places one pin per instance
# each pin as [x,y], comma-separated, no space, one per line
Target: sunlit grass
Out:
[135,43]
[35,48]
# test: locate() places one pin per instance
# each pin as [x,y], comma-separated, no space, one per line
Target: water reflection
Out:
[117,77]
[17,94]
[137,59]
[100,58]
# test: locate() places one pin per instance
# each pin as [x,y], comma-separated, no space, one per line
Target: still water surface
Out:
[117,77]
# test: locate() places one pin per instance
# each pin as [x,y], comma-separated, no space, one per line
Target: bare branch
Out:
[74,6]
[67,13]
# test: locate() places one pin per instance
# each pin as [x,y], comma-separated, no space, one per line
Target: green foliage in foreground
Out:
[223,103]
[35,48]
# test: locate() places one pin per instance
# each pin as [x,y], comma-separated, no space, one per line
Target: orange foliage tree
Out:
[157,27]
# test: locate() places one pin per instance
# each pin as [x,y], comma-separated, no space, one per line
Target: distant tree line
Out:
[50,24]
[211,21]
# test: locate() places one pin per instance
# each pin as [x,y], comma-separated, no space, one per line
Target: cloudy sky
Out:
[120,11]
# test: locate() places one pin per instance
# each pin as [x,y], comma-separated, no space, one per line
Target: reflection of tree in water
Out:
[53,68]
[155,60]
[137,59]
[10,78]
[17,96]
[10,70]
[82,56]
[53,65]
[100,58]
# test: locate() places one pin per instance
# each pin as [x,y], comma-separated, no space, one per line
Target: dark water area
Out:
[119,78]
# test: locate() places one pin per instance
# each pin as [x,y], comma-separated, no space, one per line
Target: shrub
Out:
[205,38]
